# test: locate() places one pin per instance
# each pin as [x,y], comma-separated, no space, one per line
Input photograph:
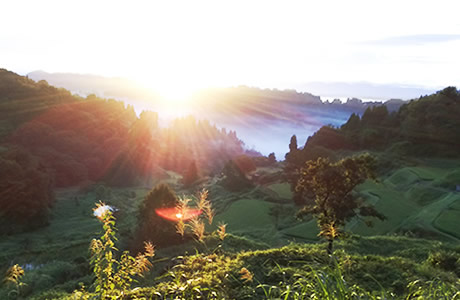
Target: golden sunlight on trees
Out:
[330,185]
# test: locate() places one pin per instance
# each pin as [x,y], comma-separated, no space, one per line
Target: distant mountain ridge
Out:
[122,88]
[263,118]
[367,90]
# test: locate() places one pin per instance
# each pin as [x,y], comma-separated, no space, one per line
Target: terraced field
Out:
[418,200]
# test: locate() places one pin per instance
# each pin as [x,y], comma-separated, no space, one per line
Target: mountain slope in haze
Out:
[90,138]
[263,118]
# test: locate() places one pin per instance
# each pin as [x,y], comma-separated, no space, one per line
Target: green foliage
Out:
[198,276]
[328,137]
[152,227]
[331,185]
[319,284]
[114,277]
[313,150]
[433,290]
[445,260]
[424,127]
[234,178]
[14,277]
[26,191]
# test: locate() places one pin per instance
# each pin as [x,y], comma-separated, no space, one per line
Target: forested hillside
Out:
[428,126]
[67,162]
[67,140]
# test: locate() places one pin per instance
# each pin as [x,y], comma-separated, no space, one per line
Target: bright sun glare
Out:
[171,91]
[176,93]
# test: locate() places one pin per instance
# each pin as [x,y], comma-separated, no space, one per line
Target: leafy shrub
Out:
[152,227]
[445,260]
[113,277]
[234,179]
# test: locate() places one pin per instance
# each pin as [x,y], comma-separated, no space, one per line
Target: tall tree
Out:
[331,185]
[271,158]
[190,175]
[293,144]
[294,160]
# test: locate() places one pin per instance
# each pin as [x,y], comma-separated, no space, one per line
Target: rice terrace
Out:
[240,150]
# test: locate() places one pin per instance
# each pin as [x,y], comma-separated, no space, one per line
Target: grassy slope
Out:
[415,198]
[418,200]
[72,224]
[282,189]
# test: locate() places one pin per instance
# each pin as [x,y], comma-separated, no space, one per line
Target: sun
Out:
[173,91]
[179,93]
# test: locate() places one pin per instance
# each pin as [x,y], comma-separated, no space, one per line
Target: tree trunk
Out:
[329,247]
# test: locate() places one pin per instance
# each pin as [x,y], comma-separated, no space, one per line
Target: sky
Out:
[179,46]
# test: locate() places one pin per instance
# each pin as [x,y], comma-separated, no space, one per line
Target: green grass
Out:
[448,221]
[428,172]
[246,215]
[423,194]
[392,204]
[71,228]
[304,231]
[456,204]
[414,199]
[282,189]
[402,178]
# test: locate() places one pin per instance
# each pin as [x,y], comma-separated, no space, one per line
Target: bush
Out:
[152,227]
[234,180]
[445,260]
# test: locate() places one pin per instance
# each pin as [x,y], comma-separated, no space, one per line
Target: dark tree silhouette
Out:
[271,158]
[26,192]
[234,179]
[191,174]
[293,144]
[152,227]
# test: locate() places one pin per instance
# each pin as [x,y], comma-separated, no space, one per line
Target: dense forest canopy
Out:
[428,126]
[75,141]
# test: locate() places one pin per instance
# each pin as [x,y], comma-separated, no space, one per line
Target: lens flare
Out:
[176,215]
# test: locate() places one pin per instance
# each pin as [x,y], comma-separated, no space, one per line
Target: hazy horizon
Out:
[328,91]
[179,47]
